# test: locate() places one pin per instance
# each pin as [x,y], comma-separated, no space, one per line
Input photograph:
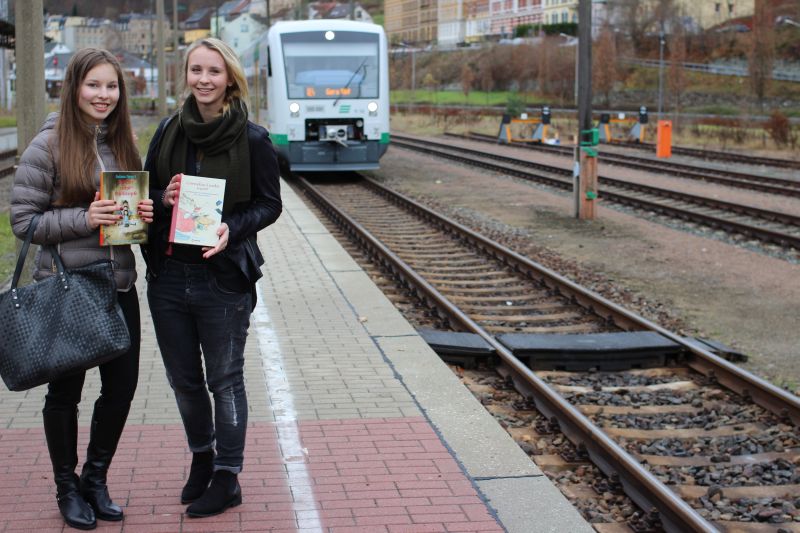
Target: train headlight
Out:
[372,107]
[294,109]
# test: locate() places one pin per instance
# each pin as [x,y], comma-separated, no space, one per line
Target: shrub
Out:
[778,128]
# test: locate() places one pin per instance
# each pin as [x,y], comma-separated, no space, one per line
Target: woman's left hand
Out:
[222,243]
[145,210]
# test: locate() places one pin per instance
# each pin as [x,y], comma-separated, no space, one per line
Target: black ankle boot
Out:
[76,512]
[107,425]
[199,476]
[223,493]
[61,431]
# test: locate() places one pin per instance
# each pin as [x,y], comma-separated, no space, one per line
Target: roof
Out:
[198,15]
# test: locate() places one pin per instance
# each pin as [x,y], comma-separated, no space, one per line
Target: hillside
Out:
[112,8]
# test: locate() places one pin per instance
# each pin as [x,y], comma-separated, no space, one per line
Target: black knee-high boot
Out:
[61,431]
[107,425]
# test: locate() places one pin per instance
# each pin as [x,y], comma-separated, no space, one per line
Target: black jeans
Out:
[118,377]
[192,313]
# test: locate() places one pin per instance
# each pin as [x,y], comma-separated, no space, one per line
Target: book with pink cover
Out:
[198,212]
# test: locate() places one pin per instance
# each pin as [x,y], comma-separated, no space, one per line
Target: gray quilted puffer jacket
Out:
[36,188]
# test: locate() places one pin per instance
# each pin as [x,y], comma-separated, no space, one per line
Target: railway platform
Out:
[355,424]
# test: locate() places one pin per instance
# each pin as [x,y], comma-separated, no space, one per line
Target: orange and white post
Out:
[664,138]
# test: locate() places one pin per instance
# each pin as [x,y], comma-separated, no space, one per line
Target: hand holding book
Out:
[222,243]
[122,209]
[106,212]
[170,196]
[102,212]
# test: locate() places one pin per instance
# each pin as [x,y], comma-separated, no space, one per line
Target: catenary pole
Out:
[162,92]
[175,52]
[30,89]
[585,171]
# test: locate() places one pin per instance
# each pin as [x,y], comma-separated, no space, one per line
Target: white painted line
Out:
[281,401]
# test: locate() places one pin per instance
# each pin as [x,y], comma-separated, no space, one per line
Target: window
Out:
[244,28]
[717,7]
[317,68]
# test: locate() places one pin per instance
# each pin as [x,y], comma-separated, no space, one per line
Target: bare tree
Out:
[604,63]
[762,49]
[431,83]
[485,73]
[546,51]
[636,16]
[677,75]
[527,65]
[467,79]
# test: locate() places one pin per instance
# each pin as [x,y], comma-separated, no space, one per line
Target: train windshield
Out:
[320,64]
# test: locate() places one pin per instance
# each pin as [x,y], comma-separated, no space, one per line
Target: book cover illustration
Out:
[198,213]
[127,188]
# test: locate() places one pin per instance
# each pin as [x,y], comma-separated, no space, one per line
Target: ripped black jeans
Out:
[194,317]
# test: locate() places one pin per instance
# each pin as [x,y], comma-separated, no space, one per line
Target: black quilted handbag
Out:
[65,323]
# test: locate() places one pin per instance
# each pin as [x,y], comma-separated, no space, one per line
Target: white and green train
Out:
[327,93]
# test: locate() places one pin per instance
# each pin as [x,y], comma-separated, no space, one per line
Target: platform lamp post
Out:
[661,43]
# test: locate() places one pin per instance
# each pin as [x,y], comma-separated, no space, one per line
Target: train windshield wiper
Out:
[347,85]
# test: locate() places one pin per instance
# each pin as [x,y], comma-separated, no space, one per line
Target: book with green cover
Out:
[127,188]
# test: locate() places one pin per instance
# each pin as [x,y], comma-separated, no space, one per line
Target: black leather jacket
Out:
[244,221]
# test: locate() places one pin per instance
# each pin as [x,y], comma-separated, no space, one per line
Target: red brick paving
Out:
[367,476]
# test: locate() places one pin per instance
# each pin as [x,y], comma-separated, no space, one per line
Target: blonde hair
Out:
[237,91]
[77,158]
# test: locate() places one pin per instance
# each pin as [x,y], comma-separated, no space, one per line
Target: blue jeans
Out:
[192,313]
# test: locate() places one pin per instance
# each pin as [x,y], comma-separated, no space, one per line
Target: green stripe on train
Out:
[279,138]
[384,138]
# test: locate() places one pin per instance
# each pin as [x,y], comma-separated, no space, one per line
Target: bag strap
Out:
[23,253]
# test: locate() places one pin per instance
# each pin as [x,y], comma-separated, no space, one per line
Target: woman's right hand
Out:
[102,212]
[170,197]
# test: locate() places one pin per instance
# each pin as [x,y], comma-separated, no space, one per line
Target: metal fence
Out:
[781,72]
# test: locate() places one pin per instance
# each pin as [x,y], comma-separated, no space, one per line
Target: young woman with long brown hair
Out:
[58,179]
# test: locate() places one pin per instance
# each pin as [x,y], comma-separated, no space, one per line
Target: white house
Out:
[242,31]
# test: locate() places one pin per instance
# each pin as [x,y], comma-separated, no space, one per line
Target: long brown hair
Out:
[77,158]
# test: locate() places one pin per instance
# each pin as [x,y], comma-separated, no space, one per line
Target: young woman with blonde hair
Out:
[58,178]
[201,298]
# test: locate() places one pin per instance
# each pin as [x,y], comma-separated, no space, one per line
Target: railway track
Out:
[697,443]
[711,155]
[771,185]
[7,162]
[773,227]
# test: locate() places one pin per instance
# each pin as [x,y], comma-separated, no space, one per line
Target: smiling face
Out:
[99,93]
[207,77]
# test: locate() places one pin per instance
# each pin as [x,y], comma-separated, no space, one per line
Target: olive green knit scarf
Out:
[222,149]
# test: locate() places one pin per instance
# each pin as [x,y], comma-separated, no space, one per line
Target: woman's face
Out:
[207,77]
[99,93]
